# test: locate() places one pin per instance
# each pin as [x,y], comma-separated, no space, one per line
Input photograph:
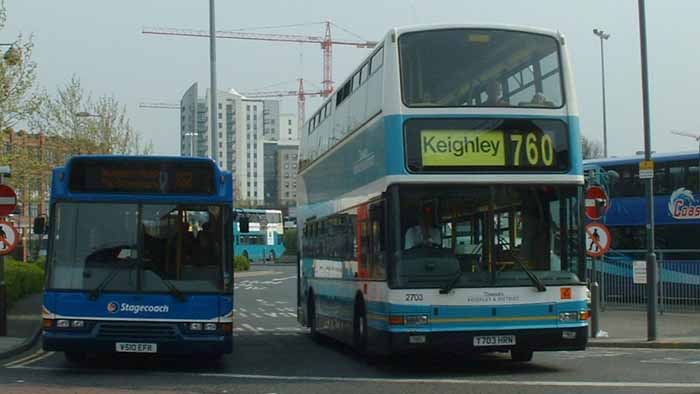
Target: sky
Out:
[100,41]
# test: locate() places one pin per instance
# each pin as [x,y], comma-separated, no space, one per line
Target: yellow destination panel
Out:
[462,148]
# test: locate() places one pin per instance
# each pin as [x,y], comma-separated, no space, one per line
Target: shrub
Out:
[241,263]
[22,279]
[290,241]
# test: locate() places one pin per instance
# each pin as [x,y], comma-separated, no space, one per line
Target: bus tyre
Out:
[75,357]
[522,356]
[359,331]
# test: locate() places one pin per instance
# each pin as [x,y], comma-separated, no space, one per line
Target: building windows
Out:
[220,114]
[289,122]
[221,125]
[219,108]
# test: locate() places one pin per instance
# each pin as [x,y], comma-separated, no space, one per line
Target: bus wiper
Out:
[95,293]
[453,282]
[535,280]
[180,296]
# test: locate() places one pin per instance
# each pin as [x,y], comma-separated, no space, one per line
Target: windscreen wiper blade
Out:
[535,280]
[453,282]
[180,296]
[95,293]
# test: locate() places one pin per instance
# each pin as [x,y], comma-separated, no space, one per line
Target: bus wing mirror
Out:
[39,225]
[243,224]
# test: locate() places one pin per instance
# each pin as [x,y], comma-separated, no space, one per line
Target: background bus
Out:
[140,257]
[677,226]
[471,128]
[265,237]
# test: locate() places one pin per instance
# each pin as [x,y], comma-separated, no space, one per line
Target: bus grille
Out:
[137,331]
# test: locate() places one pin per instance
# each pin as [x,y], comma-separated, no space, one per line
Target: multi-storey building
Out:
[287,169]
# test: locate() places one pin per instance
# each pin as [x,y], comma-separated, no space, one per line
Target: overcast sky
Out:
[101,42]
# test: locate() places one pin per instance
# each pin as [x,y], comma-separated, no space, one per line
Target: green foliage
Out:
[290,241]
[23,279]
[241,263]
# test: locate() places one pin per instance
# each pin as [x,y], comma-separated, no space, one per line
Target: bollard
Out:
[595,309]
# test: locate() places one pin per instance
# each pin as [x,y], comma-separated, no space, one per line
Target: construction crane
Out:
[300,94]
[326,43]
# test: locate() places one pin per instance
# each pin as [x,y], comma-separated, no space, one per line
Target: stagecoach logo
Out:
[682,205]
[365,160]
[113,307]
[492,297]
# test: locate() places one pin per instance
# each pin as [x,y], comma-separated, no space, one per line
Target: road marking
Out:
[456,381]
[28,358]
[33,360]
[256,315]
[248,327]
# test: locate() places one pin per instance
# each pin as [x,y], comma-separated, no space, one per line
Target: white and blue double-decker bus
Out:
[139,257]
[439,197]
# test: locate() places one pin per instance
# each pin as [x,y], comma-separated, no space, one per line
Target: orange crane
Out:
[301,100]
[326,44]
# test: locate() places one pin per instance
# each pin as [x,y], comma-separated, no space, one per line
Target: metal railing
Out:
[679,280]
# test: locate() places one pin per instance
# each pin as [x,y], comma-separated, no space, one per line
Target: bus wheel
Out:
[521,355]
[359,331]
[312,318]
[75,357]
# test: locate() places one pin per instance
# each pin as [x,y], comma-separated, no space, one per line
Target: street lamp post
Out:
[603,36]
[192,141]
[652,274]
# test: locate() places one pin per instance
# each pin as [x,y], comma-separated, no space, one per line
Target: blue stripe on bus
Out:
[78,304]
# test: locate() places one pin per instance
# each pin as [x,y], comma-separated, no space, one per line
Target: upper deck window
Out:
[480,68]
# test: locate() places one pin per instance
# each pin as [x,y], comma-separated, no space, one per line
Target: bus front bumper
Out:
[98,340]
[548,339]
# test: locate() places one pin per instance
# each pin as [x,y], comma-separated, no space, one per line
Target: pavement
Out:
[23,326]
[623,328]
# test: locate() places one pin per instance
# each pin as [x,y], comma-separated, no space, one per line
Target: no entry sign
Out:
[8,200]
[8,238]
[597,202]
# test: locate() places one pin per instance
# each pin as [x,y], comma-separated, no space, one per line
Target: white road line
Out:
[248,327]
[243,315]
[255,315]
[244,310]
[458,381]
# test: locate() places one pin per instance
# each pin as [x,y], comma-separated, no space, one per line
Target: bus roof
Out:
[661,158]
[485,26]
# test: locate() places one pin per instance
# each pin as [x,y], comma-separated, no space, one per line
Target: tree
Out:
[19,99]
[89,126]
[591,149]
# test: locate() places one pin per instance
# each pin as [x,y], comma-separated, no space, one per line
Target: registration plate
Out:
[131,347]
[494,340]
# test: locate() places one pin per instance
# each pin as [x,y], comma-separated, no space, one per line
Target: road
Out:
[273,354]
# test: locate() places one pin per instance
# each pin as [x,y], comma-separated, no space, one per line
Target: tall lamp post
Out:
[603,36]
[652,272]
[192,141]
[696,137]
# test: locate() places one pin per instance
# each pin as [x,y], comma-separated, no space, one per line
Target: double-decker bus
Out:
[677,225]
[139,257]
[439,197]
[265,237]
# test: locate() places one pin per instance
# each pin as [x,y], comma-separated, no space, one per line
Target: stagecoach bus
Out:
[140,257]
[265,237]
[439,197]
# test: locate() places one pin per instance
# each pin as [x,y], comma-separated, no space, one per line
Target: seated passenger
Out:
[539,100]
[424,233]
[494,93]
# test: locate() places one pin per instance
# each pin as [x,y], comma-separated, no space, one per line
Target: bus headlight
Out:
[195,326]
[210,327]
[417,320]
[63,323]
[77,323]
[568,316]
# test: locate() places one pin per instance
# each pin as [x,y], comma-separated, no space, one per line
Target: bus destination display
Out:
[147,176]
[501,148]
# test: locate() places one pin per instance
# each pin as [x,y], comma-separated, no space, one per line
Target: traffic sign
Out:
[646,169]
[598,239]
[597,202]
[8,200]
[8,238]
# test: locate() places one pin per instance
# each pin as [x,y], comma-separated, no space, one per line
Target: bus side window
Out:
[377,266]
